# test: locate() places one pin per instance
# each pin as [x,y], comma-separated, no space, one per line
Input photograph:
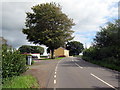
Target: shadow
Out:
[68,64]
[99,88]
[80,62]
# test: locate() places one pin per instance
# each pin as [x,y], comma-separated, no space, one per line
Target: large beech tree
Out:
[48,25]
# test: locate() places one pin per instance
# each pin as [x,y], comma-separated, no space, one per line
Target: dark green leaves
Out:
[75,47]
[31,49]
[13,63]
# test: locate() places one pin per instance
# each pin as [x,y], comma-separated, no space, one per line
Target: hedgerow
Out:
[13,63]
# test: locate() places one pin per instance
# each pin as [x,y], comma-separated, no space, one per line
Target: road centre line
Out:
[54,76]
[103,81]
[54,81]
[56,69]
[78,65]
[56,72]
[72,59]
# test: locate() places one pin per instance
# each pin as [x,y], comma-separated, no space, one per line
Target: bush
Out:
[105,56]
[32,62]
[13,63]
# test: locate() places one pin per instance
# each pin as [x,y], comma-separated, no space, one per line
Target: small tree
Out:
[31,49]
[75,47]
[49,26]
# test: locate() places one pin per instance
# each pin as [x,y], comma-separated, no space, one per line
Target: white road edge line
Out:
[54,81]
[55,72]
[102,80]
[78,65]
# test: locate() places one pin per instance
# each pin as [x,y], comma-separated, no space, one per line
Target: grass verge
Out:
[102,63]
[107,65]
[23,81]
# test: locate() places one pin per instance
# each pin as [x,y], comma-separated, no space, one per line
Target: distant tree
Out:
[49,26]
[31,49]
[3,40]
[74,47]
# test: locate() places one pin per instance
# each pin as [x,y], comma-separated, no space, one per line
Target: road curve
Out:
[76,73]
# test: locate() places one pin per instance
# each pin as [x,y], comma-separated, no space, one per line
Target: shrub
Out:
[13,63]
[32,62]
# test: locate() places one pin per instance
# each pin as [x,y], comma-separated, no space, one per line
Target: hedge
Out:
[13,63]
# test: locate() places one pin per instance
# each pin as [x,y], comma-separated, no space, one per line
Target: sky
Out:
[88,15]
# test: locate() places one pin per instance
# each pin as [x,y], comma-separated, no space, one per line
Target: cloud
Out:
[88,15]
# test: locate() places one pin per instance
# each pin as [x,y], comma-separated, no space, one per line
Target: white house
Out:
[36,55]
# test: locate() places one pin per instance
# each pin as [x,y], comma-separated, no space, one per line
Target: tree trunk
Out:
[52,53]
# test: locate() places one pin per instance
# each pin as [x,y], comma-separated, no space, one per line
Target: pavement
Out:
[74,72]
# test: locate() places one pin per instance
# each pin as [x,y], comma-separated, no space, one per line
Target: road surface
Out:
[76,73]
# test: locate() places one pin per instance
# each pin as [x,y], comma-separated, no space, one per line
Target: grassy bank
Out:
[106,64]
[102,63]
[23,81]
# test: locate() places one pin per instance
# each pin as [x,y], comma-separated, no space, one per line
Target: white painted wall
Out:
[36,54]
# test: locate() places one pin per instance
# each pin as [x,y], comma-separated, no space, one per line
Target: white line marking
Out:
[72,60]
[54,76]
[56,69]
[102,80]
[54,81]
[55,72]
[78,65]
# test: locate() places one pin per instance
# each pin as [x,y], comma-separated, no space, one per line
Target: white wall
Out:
[36,54]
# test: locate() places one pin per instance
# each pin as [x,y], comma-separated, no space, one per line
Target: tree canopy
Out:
[74,47]
[31,49]
[48,25]
[109,35]
[106,47]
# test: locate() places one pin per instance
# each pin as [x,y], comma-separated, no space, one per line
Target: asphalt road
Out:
[76,73]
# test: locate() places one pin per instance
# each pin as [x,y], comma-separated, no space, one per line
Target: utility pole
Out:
[85,46]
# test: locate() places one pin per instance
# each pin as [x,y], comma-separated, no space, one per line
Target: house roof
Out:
[62,48]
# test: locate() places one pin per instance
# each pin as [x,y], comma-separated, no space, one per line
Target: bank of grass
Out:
[53,59]
[101,63]
[23,81]
[106,64]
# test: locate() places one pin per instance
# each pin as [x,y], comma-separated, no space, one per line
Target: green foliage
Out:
[74,47]
[26,81]
[109,35]
[13,63]
[32,62]
[106,46]
[31,49]
[49,26]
